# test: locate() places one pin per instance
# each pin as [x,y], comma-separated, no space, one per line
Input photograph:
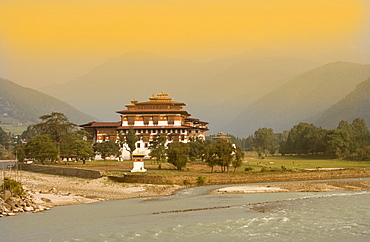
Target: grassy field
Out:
[271,164]
[16,130]
[294,162]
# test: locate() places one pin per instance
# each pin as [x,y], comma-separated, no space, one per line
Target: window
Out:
[131,120]
[171,120]
[155,120]
[138,145]
[146,120]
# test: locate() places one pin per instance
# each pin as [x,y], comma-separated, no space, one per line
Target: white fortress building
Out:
[160,116]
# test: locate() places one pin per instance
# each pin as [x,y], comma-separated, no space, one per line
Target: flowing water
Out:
[194,215]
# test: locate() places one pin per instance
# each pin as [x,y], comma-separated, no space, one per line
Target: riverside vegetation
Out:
[14,199]
[305,152]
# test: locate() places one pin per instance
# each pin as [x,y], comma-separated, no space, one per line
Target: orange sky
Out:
[42,31]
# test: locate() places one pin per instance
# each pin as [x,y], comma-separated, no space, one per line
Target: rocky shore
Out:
[11,205]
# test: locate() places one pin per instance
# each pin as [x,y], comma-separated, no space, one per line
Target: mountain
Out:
[304,96]
[355,105]
[23,106]
[210,89]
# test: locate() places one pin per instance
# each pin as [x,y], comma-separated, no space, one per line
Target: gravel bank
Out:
[52,190]
[297,187]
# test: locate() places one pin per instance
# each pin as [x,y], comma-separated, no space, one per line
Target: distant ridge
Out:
[23,106]
[215,91]
[301,98]
[355,105]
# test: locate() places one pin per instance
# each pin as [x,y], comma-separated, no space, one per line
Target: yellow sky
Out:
[110,25]
[66,28]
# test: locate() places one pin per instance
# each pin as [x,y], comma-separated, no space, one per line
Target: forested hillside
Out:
[23,106]
[355,105]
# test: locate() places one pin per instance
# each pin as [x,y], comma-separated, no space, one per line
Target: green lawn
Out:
[13,129]
[294,162]
[289,162]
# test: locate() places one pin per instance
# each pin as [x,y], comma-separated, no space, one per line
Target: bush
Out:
[13,186]
[201,180]
[265,169]
[248,169]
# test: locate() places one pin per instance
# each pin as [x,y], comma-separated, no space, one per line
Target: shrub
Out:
[248,169]
[265,169]
[201,180]
[13,186]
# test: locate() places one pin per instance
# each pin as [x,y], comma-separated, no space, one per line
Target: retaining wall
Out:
[63,171]
[229,178]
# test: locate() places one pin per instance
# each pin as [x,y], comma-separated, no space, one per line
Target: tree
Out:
[3,137]
[42,148]
[224,153]
[57,126]
[178,154]
[210,155]
[83,150]
[304,139]
[359,134]
[337,143]
[264,141]
[238,157]
[196,148]
[158,149]
[19,152]
[130,139]
[107,148]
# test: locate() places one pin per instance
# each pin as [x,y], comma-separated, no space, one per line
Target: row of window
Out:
[157,131]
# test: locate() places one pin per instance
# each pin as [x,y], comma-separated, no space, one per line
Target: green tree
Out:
[196,148]
[337,143]
[178,154]
[107,148]
[19,152]
[3,137]
[83,150]
[359,134]
[58,127]
[130,139]
[238,157]
[264,141]
[158,149]
[224,153]
[210,155]
[42,148]
[304,139]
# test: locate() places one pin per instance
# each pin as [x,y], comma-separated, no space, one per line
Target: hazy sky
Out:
[53,41]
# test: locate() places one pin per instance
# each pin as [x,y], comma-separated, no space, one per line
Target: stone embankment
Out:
[11,205]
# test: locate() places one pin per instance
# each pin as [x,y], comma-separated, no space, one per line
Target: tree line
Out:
[219,152]
[348,141]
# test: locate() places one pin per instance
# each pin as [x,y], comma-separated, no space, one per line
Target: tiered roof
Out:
[160,104]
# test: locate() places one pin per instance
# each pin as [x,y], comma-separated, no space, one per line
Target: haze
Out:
[44,42]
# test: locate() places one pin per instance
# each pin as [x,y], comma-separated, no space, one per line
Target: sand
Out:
[52,190]
[297,187]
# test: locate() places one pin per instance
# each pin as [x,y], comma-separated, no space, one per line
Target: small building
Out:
[138,162]
[221,136]
[160,116]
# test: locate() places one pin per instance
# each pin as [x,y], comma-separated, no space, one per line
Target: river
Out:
[327,216]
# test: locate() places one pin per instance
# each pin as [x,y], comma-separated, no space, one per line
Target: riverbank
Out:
[52,190]
[326,186]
